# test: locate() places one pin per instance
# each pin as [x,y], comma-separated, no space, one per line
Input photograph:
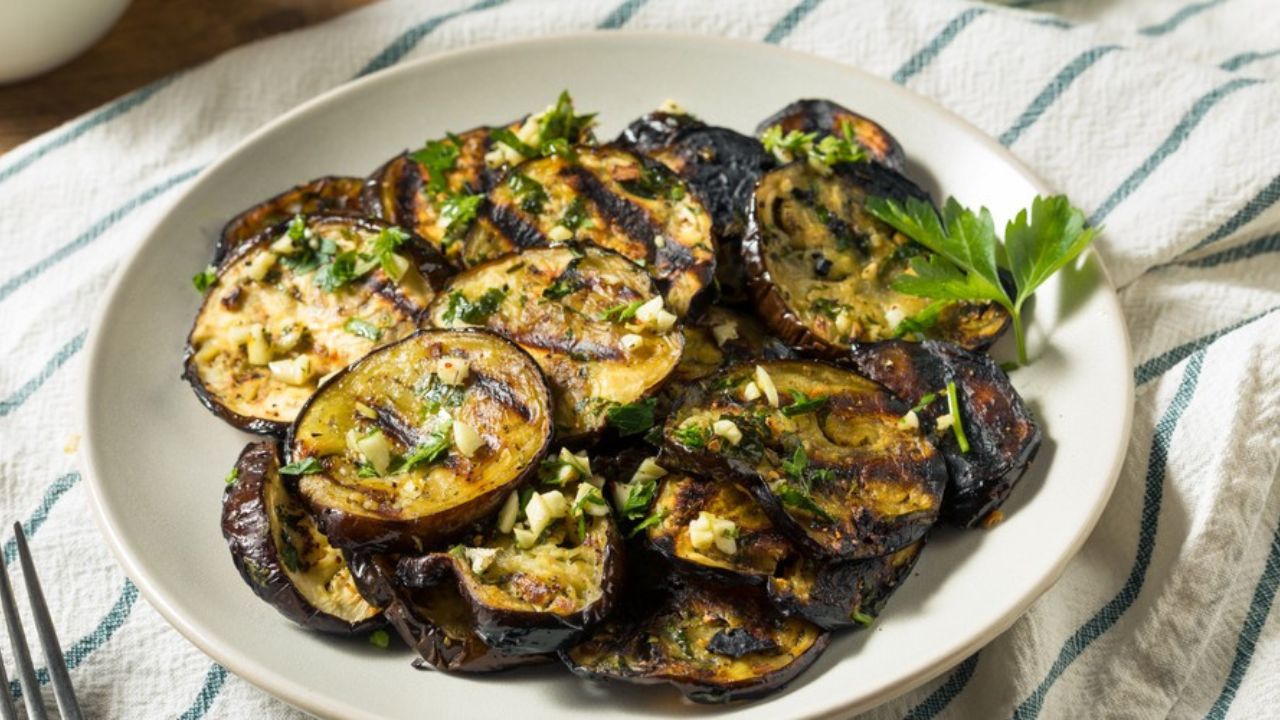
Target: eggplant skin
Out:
[504,398]
[249,396]
[868,485]
[1003,435]
[438,624]
[825,117]
[248,506]
[714,644]
[655,130]
[329,195]
[843,593]
[521,613]
[821,269]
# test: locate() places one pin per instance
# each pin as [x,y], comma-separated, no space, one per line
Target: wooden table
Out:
[153,38]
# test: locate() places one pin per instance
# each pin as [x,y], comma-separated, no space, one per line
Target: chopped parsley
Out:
[693,435]
[576,215]
[456,214]
[205,279]
[305,466]
[622,312]
[566,284]
[428,451]
[474,312]
[363,328]
[339,271]
[529,192]
[233,475]
[953,406]
[438,157]
[831,149]
[922,321]
[797,498]
[655,181]
[438,394]
[925,400]
[631,418]
[646,523]
[800,404]
[639,498]
[827,307]
[380,639]
[862,618]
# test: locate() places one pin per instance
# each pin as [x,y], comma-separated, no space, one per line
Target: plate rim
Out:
[300,696]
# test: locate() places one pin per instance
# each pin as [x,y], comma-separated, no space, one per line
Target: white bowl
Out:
[38,35]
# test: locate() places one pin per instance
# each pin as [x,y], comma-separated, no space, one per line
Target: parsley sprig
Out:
[968,256]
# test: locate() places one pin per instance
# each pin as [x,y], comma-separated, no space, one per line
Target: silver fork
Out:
[62,690]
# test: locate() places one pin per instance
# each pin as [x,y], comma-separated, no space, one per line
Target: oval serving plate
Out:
[155,458]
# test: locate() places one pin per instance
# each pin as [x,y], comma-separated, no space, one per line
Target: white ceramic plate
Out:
[155,458]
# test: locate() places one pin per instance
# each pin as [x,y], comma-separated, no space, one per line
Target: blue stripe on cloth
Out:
[93,233]
[1253,248]
[1153,496]
[926,54]
[1186,13]
[1160,364]
[1260,203]
[213,682]
[409,39]
[1054,90]
[946,692]
[621,15]
[1054,22]
[1238,61]
[788,22]
[1175,139]
[103,115]
[85,646]
[60,358]
[1264,595]
[52,495]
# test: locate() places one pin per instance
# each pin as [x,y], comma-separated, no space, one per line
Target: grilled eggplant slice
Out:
[283,314]
[841,593]
[715,644]
[827,118]
[821,268]
[1002,434]
[757,548]
[723,337]
[403,190]
[535,599]
[283,556]
[655,131]
[409,446]
[581,313]
[823,449]
[329,195]
[722,167]
[611,198]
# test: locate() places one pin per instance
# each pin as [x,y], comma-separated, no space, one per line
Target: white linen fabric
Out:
[1158,117]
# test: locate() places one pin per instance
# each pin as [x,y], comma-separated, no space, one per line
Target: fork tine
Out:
[68,707]
[18,641]
[7,710]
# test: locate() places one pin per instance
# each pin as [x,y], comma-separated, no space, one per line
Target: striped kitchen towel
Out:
[1161,118]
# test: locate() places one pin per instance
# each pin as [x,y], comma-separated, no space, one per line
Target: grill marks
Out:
[609,197]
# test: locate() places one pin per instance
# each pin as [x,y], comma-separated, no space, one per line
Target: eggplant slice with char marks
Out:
[824,117]
[591,318]
[539,575]
[715,644]
[840,593]
[283,556]
[438,201]
[408,447]
[722,167]
[329,195]
[821,268]
[823,449]
[608,197]
[300,302]
[1003,436]
[716,529]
